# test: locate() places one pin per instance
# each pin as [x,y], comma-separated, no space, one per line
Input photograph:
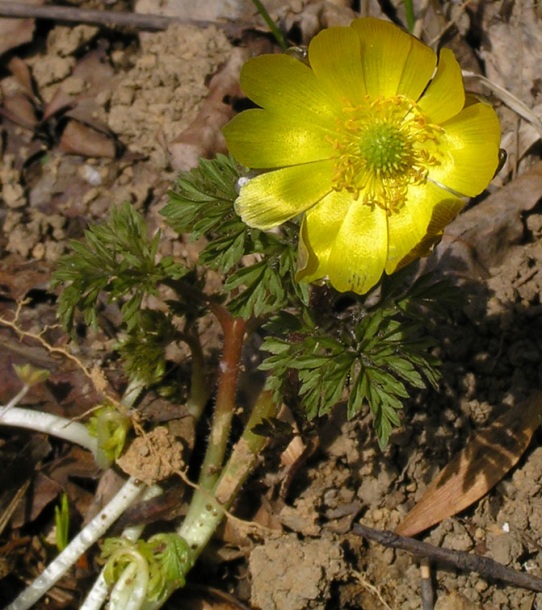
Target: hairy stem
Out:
[234,332]
[205,512]
[199,390]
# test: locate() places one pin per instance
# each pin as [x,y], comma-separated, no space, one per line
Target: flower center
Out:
[383,147]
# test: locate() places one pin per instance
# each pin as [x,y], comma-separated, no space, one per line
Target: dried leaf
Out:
[19,110]
[23,76]
[16,32]
[512,48]
[96,71]
[80,139]
[487,458]
[60,102]
[481,237]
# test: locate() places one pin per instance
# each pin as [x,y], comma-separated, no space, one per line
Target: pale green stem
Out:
[199,389]
[409,14]
[132,392]
[205,514]
[79,545]
[96,597]
[130,590]
[271,24]
[47,423]
[15,400]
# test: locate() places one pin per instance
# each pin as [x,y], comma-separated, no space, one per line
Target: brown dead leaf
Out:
[512,48]
[20,106]
[60,102]
[17,470]
[96,71]
[94,75]
[17,277]
[20,70]
[481,237]
[18,109]
[16,32]
[52,479]
[20,103]
[486,459]
[80,139]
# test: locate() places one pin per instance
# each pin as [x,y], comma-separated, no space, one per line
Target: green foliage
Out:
[258,267]
[29,374]
[111,428]
[143,350]
[62,523]
[173,555]
[165,557]
[371,356]
[133,558]
[117,258]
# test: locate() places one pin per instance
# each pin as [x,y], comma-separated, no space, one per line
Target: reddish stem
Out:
[234,333]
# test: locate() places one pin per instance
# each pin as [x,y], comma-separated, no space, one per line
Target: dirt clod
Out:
[295,574]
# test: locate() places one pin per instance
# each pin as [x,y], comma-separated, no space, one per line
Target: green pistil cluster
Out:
[383,147]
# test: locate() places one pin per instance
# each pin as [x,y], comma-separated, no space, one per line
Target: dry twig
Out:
[486,567]
[112,19]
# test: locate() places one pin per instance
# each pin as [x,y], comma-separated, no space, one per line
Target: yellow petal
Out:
[445,96]
[470,144]
[443,213]
[324,221]
[394,62]
[262,139]
[348,245]
[425,213]
[335,57]
[272,198]
[284,84]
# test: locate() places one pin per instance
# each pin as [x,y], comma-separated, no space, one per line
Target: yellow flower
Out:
[374,141]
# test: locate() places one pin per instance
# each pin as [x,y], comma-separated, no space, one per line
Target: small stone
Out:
[13,195]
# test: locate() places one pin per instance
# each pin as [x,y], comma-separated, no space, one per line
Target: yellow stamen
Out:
[384,146]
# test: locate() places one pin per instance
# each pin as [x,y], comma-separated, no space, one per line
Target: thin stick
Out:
[486,567]
[426,586]
[107,18]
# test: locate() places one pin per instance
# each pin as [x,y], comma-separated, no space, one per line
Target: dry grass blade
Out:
[510,100]
[489,455]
